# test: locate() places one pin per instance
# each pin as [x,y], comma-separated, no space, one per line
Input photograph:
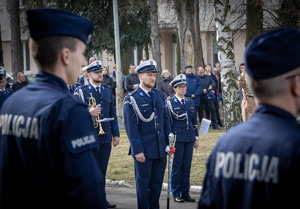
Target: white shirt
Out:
[96,87]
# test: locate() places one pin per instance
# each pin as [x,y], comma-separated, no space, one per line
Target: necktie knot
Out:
[182,101]
[98,89]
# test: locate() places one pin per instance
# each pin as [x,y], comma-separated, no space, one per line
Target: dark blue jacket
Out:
[47,149]
[108,110]
[193,87]
[206,81]
[255,164]
[185,128]
[151,137]
[4,95]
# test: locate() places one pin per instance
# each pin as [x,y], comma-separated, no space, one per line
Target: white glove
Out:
[168,149]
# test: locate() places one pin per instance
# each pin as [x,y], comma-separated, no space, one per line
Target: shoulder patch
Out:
[81,144]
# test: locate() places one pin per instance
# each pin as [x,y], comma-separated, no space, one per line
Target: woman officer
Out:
[184,126]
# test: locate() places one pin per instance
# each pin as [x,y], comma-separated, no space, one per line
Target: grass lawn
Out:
[120,165]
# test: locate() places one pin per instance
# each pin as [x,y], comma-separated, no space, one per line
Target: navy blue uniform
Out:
[48,148]
[108,110]
[193,87]
[184,127]
[255,164]
[147,125]
[4,95]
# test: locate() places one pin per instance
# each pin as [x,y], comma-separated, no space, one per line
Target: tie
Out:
[98,90]
[150,93]
[182,101]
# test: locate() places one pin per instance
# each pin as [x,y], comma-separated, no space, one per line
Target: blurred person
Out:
[208,71]
[4,92]
[107,79]
[248,102]
[164,82]
[21,82]
[50,155]
[219,84]
[84,80]
[92,59]
[256,163]
[194,88]
[207,97]
[131,80]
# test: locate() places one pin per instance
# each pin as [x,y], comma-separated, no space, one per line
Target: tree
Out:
[16,55]
[232,107]
[254,21]
[155,38]
[188,26]
[288,14]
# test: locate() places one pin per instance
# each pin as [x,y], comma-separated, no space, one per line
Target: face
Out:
[96,77]
[77,61]
[218,67]
[208,69]
[21,77]
[4,82]
[104,71]
[166,75]
[188,70]
[147,79]
[201,72]
[92,59]
[242,68]
[132,69]
[180,90]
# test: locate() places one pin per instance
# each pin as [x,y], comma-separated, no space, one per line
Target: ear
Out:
[65,56]
[295,86]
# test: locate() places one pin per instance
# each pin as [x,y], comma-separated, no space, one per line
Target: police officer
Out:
[184,125]
[147,125]
[256,163]
[103,107]
[48,145]
[4,92]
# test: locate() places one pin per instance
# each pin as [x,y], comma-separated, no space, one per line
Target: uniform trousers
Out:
[149,178]
[180,177]
[103,156]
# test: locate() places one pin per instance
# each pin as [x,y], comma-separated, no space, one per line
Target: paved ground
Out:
[125,198]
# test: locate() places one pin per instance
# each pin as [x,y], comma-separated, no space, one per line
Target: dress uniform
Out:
[103,97]
[184,127]
[47,144]
[257,163]
[5,93]
[147,125]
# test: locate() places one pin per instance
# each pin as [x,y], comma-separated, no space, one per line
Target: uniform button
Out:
[157,132]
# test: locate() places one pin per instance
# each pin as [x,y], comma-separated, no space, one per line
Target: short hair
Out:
[242,64]
[267,88]
[45,51]
[20,73]
[165,71]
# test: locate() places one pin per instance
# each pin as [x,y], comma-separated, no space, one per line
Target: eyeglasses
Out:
[292,76]
[182,86]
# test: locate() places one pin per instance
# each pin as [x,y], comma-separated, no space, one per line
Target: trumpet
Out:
[92,103]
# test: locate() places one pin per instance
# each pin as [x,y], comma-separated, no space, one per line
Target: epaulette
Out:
[105,85]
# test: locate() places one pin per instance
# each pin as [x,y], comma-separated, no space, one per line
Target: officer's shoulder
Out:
[157,91]
[105,86]
[82,87]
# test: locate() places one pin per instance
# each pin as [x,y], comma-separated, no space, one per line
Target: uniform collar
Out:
[145,90]
[263,108]
[93,85]
[178,98]
[51,79]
